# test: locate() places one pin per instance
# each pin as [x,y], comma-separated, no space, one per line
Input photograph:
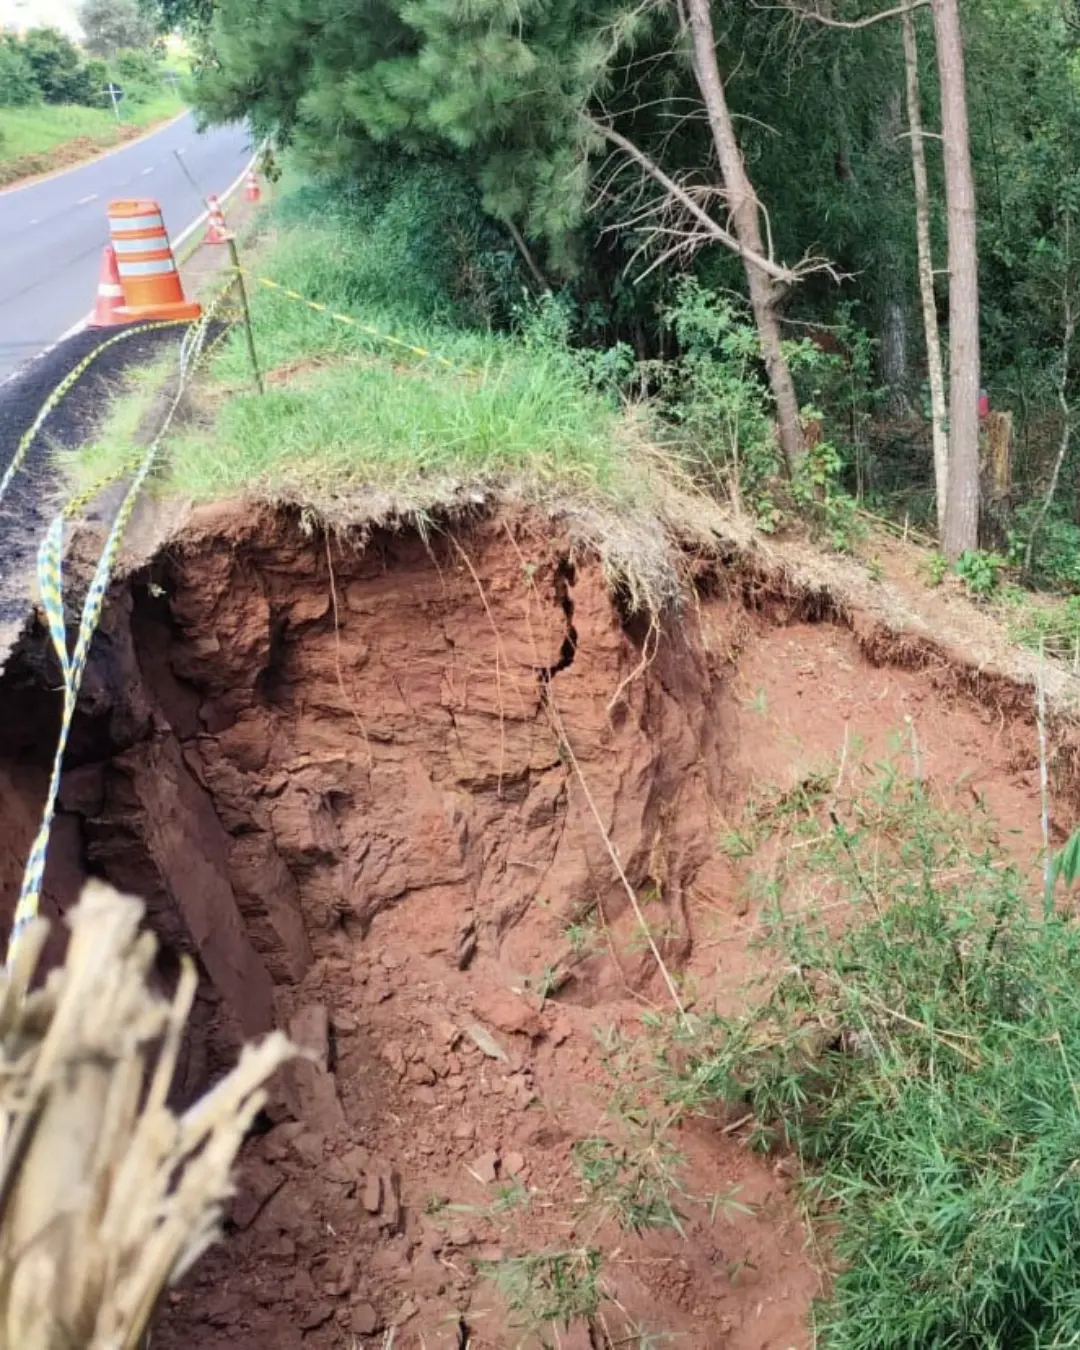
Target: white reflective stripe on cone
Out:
[140,245]
[155,267]
[125,224]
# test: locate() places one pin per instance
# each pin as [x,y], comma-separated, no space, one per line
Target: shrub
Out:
[57,67]
[925,1066]
[1055,561]
[716,399]
[137,68]
[17,87]
[979,571]
[416,239]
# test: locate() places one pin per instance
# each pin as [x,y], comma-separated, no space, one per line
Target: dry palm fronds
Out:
[105,1195]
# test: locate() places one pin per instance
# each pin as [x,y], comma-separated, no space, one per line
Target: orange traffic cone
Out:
[216,232]
[152,285]
[110,294]
[253,194]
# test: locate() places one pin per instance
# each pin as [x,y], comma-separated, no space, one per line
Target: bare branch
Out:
[686,199]
[527,256]
[826,21]
[779,273]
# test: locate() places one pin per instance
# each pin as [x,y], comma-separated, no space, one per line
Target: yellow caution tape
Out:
[51,587]
[353,322]
[64,388]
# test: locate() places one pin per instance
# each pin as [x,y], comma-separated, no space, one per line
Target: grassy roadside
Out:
[38,139]
[354,422]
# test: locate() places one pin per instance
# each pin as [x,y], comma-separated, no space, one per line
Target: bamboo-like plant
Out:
[106,1195]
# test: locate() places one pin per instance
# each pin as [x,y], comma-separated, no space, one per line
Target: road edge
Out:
[37,179]
[176,243]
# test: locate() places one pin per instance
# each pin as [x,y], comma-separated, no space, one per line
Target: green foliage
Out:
[550,1289]
[1055,562]
[494,86]
[410,235]
[818,491]
[1053,628]
[18,87]
[112,26]
[59,71]
[924,1066]
[715,397]
[45,65]
[1067,863]
[136,69]
[635,1185]
[979,571]
[937,569]
[191,16]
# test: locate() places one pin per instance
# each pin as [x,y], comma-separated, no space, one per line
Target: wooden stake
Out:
[1044,782]
[250,332]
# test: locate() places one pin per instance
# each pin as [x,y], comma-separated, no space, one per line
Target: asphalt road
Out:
[52,232]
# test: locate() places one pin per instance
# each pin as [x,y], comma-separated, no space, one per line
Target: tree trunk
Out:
[744,207]
[893,318]
[962,498]
[926,273]
[894,349]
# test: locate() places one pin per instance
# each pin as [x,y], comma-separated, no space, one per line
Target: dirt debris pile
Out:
[377,793]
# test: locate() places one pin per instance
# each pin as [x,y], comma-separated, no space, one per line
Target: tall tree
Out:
[935,370]
[962,498]
[745,209]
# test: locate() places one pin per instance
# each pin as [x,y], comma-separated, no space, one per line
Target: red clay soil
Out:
[373,789]
[40,163]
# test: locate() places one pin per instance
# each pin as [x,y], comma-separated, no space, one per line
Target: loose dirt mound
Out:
[381,794]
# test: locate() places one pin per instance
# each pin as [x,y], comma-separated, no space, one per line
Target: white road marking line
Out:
[144,172]
[186,234]
[83,200]
[94,159]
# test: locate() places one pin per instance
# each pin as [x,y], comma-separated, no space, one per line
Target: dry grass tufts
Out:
[106,1196]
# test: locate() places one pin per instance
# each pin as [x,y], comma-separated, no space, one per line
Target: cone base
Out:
[107,314]
[182,310]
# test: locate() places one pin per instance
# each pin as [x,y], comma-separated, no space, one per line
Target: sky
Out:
[41,14]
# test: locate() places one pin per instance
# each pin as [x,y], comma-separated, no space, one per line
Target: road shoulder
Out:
[95,152]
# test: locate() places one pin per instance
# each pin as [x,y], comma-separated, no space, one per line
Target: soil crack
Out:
[564,600]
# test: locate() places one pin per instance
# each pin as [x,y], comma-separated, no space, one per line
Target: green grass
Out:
[925,1066]
[347,412]
[363,424]
[1053,624]
[29,132]
[544,1291]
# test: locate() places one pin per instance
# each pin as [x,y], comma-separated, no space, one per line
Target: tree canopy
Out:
[537,102]
[111,26]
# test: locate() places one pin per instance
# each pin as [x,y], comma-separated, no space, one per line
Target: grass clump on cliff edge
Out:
[925,1067]
[360,428]
[348,411]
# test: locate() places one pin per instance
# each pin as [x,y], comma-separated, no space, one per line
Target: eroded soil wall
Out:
[380,793]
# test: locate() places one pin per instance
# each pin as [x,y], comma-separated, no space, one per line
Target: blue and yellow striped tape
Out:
[64,388]
[354,322]
[51,586]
